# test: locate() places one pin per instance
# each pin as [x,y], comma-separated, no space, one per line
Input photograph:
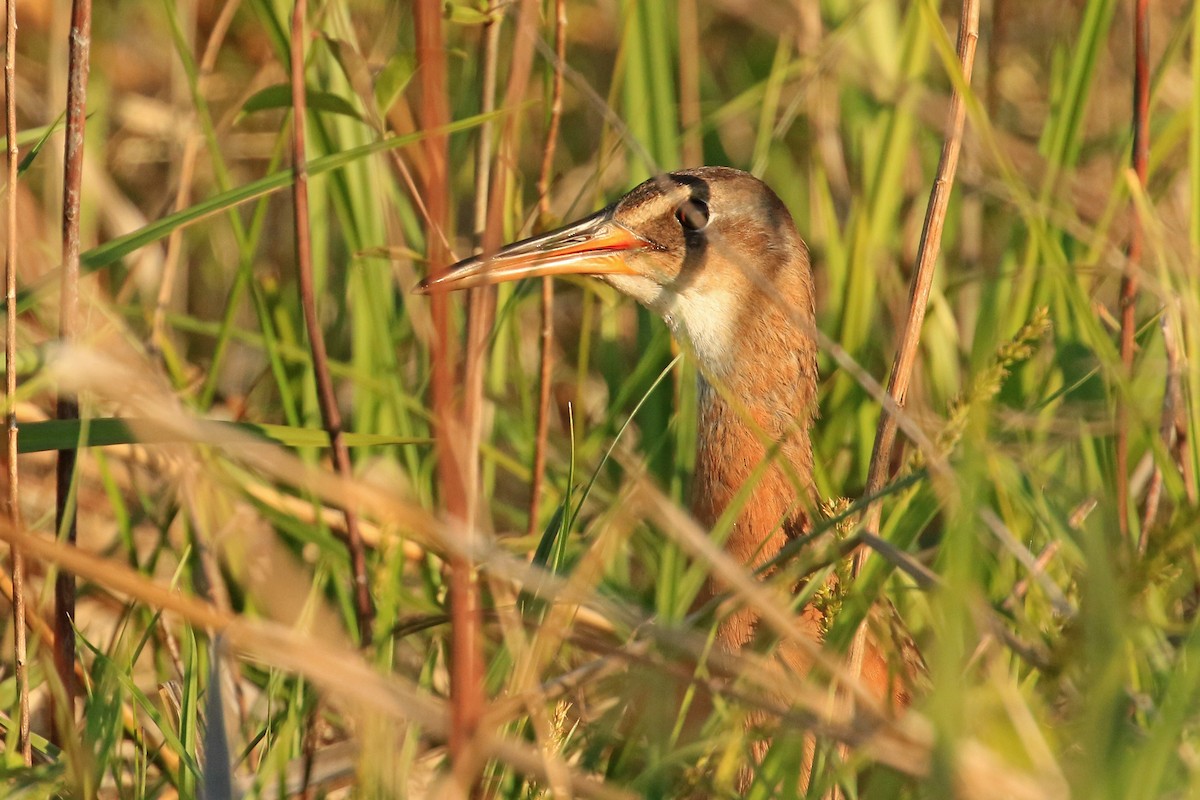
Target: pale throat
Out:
[756,386]
[704,321]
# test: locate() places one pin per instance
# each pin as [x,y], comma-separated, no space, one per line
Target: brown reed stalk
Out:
[363,609]
[546,365]
[13,495]
[1140,158]
[79,58]
[692,146]
[490,50]
[481,302]
[466,640]
[481,305]
[922,280]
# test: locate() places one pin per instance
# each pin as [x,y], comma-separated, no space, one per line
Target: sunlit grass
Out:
[1077,677]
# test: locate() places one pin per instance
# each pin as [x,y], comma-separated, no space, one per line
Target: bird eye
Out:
[692,214]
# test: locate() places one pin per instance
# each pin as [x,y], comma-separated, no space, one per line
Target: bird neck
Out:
[754,436]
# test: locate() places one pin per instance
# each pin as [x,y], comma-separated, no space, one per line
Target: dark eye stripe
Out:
[692,214]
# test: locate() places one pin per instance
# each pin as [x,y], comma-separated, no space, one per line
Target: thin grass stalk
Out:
[164,757]
[308,754]
[201,128]
[481,302]
[481,305]
[824,111]
[525,38]
[208,62]
[1172,403]
[1140,158]
[483,152]
[13,495]
[481,308]
[910,336]
[340,673]
[67,407]
[692,145]
[931,237]
[1180,424]
[170,267]
[326,396]
[466,653]
[546,364]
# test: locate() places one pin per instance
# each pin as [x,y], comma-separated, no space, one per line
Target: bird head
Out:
[702,248]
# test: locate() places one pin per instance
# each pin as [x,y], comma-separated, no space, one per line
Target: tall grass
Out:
[1061,660]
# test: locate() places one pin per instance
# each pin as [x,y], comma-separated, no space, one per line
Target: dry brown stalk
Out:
[546,365]
[80,42]
[1140,158]
[1169,430]
[692,145]
[931,236]
[326,396]
[480,312]
[910,336]
[481,305]
[480,302]
[466,653]
[13,495]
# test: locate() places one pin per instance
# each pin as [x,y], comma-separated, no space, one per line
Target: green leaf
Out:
[392,80]
[459,14]
[280,96]
[47,132]
[356,70]
[38,134]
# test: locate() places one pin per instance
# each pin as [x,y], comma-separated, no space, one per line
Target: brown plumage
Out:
[715,253]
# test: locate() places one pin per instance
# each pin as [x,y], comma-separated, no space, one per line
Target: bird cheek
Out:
[643,290]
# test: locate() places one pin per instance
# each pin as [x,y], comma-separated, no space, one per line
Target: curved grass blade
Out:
[280,96]
[46,133]
[37,437]
[113,251]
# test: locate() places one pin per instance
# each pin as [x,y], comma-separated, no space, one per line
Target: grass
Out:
[1062,661]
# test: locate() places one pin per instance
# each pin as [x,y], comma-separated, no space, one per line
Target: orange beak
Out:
[595,245]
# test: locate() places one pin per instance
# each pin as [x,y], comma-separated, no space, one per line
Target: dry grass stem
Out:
[264,186]
[68,405]
[546,340]
[326,395]
[12,472]
[922,281]
[467,696]
[481,303]
[342,674]
[1130,278]
[928,251]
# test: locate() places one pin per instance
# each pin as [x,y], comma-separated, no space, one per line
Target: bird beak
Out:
[596,245]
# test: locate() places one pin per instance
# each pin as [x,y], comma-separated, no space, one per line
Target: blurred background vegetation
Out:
[1063,661]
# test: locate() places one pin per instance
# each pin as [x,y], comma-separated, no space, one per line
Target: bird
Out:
[716,254]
